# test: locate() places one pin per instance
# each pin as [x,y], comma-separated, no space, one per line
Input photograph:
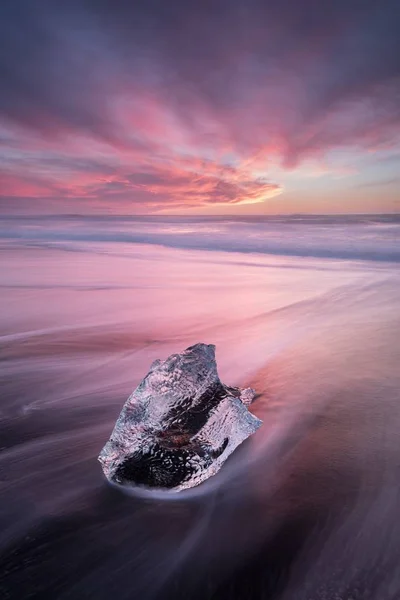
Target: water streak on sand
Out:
[307,508]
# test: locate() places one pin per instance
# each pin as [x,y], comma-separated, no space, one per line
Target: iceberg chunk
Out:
[180,424]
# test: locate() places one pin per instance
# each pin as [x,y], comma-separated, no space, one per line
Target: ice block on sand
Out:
[180,424]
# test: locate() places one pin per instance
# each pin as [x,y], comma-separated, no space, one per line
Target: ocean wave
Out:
[346,238]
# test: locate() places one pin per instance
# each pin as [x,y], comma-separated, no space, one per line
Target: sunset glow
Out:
[242,109]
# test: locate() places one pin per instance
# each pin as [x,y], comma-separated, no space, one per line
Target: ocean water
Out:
[303,309]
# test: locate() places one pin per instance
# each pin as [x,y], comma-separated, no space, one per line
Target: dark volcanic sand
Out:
[306,509]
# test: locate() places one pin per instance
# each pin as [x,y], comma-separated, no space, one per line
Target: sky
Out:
[207,107]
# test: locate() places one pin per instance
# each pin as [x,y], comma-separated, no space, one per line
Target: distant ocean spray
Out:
[368,237]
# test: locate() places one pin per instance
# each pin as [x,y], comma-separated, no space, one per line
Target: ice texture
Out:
[180,424]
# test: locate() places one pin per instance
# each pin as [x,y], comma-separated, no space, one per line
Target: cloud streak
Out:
[185,103]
